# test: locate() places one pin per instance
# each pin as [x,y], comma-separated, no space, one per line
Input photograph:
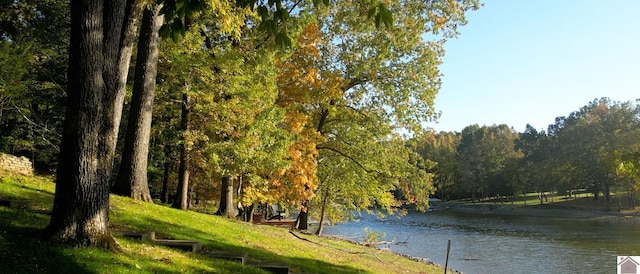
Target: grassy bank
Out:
[22,251]
[582,206]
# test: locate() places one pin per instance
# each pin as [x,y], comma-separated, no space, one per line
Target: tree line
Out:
[241,102]
[595,148]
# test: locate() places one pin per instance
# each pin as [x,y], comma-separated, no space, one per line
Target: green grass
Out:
[22,251]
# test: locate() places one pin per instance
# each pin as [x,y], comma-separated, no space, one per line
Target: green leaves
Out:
[177,16]
[16,57]
[182,8]
[283,40]
[382,15]
[174,30]
[317,3]
[272,14]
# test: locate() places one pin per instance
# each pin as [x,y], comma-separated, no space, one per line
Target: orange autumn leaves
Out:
[303,86]
[302,80]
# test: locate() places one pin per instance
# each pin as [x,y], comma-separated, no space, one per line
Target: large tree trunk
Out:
[132,177]
[181,201]
[98,53]
[226,207]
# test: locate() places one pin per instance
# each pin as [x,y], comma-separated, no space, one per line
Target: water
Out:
[484,243]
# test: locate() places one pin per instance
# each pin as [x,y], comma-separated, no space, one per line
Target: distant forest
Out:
[595,148]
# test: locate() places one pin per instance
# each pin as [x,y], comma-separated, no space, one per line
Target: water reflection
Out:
[484,243]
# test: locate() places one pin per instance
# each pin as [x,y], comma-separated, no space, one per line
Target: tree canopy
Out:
[287,101]
[594,148]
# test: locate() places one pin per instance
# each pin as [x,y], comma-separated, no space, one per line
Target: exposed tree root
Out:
[113,245]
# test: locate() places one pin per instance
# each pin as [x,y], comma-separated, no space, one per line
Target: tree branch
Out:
[350,158]
[354,82]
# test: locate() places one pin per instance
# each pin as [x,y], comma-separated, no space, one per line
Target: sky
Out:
[528,62]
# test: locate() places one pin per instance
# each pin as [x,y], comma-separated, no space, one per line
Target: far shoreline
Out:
[542,211]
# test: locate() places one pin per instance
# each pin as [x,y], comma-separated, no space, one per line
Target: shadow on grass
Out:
[255,254]
[37,190]
[17,190]
[23,251]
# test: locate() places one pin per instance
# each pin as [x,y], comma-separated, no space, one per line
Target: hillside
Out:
[22,251]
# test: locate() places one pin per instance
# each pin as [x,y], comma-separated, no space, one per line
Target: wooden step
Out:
[16,203]
[240,257]
[273,267]
[144,236]
[5,203]
[186,245]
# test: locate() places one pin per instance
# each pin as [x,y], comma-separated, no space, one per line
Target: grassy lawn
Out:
[22,251]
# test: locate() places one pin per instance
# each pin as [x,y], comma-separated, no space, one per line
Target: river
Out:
[490,243]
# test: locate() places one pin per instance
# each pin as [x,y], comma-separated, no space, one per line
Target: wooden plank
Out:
[17,203]
[186,245]
[144,236]
[240,257]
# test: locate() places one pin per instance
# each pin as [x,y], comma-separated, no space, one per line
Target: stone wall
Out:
[20,165]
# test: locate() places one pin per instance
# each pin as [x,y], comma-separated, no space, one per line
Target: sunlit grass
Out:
[21,251]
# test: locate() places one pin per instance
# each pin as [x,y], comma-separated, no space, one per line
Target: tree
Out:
[245,127]
[387,75]
[347,138]
[594,140]
[100,49]
[482,155]
[442,149]
[234,128]
[11,83]
[132,177]
[395,67]
[181,200]
[537,164]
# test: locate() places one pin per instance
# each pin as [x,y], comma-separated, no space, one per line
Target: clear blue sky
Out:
[519,62]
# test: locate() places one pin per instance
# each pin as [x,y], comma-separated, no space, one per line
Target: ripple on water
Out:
[503,244]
